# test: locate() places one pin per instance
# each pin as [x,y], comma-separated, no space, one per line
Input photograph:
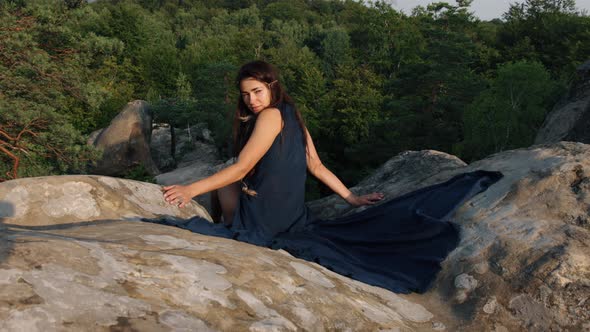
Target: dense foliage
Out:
[370,81]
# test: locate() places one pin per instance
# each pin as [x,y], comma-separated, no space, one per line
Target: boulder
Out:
[401,174]
[67,199]
[126,142]
[570,119]
[192,172]
[93,136]
[194,145]
[73,258]
[523,261]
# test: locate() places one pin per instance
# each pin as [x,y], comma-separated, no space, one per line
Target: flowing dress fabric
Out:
[397,245]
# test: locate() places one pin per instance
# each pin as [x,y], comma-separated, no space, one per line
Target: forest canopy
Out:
[370,81]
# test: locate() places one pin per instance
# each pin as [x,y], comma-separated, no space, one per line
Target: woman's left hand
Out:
[177,195]
[368,199]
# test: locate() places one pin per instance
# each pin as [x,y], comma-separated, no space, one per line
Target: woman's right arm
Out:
[322,173]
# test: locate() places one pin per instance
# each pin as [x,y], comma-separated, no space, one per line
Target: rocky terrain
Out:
[75,256]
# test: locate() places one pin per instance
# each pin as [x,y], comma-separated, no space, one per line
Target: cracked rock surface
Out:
[524,253]
[74,256]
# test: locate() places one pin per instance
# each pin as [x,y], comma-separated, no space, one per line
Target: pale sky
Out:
[484,9]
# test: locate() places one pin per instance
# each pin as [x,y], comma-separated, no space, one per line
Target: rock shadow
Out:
[6,211]
[11,234]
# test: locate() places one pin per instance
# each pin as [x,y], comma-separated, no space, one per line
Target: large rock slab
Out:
[570,119]
[524,258]
[402,174]
[126,141]
[75,258]
[522,263]
[57,200]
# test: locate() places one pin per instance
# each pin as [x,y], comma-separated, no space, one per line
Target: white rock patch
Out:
[272,320]
[307,319]
[179,321]
[64,299]
[15,204]
[376,312]
[111,182]
[71,198]
[9,276]
[196,281]
[168,242]
[144,195]
[312,275]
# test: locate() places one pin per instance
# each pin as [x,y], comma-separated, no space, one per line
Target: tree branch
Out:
[15,164]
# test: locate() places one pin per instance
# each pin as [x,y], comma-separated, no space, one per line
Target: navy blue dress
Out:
[397,245]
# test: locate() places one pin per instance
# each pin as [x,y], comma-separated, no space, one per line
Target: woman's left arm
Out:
[322,173]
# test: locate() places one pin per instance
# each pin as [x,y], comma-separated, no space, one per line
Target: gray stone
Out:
[490,306]
[569,120]
[481,268]
[466,282]
[438,326]
[461,296]
[500,328]
[126,142]
[193,145]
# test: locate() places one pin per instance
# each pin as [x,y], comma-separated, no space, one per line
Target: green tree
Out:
[352,107]
[428,94]
[509,113]
[550,31]
[336,50]
[43,92]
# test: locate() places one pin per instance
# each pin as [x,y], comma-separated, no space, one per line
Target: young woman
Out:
[396,245]
[259,128]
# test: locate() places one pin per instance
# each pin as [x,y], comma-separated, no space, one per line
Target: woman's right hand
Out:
[177,195]
[368,199]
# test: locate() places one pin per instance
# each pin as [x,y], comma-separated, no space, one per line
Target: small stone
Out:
[545,293]
[490,306]
[500,328]
[438,326]
[461,296]
[466,282]
[481,268]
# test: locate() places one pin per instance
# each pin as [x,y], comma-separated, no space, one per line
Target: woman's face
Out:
[256,94]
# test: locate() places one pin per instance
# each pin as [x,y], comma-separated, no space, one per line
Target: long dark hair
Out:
[244,119]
